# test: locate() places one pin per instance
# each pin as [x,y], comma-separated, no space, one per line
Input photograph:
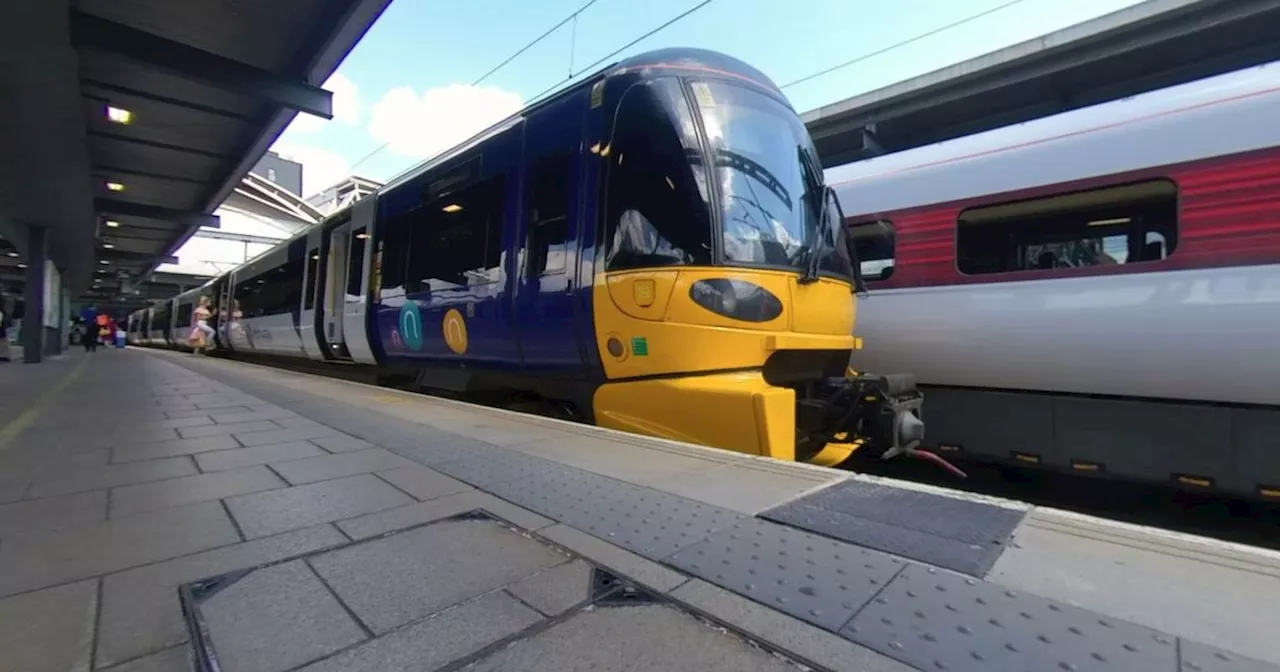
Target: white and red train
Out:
[1096,291]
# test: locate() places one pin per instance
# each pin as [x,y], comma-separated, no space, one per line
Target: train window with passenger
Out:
[547,237]
[456,240]
[1122,224]
[874,241]
[656,206]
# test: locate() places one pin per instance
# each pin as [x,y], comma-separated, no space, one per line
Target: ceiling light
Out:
[104,262]
[22,265]
[119,115]
[13,254]
[452,207]
[361,236]
[115,186]
[107,246]
[112,224]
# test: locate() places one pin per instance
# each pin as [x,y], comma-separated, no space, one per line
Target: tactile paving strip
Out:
[815,579]
[933,619]
[1197,657]
[958,534]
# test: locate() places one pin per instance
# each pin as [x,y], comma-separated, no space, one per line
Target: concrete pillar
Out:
[33,320]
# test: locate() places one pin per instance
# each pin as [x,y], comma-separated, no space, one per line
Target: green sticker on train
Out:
[639,346]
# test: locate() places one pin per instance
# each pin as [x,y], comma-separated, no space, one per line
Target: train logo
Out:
[455,331]
[411,325]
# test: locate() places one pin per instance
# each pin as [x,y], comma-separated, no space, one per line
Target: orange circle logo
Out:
[455,331]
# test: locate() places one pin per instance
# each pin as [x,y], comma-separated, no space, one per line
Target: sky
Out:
[409,89]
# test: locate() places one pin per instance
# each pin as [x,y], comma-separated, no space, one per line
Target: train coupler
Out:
[882,412]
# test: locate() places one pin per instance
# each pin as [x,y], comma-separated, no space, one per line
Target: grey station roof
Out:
[209,85]
[1147,46]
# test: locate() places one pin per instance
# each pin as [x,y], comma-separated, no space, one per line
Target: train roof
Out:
[1226,114]
[686,58]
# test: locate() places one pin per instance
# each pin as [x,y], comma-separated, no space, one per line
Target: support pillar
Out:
[33,319]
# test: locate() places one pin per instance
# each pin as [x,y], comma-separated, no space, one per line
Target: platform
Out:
[161,511]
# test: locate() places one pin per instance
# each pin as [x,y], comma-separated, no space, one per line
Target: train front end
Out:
[725,301]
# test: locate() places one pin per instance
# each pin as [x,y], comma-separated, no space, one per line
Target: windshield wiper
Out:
[813,262]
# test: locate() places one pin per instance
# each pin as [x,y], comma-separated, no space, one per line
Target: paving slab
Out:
[329,467]
[226,429]
[275,619]
[140,609]
[275,511]
[404,577]
[131,499]
[137,452]
[53,513]
[82,479]
[423,483]
[36,560]
[49,630]
[283,435]
[626,638]
[224,460]
[438,641]
[177,659]
[403,517]
[340,444]
[556,590]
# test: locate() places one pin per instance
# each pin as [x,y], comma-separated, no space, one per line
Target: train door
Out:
[217,319]
[309,321]
[228,311]
[358,279]
[547,238]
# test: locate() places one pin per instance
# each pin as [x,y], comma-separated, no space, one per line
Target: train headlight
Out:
[736,299]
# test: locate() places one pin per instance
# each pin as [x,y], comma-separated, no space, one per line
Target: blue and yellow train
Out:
[651,250]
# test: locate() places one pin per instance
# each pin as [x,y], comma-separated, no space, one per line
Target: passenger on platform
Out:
[103,331]
[202,334]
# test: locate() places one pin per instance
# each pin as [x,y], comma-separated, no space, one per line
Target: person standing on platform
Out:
[89,315]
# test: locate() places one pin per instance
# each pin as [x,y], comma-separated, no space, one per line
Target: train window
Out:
[657,212]
[313,267]
[394,245]
[184,315]
[874,241]
[355,261]
[1123,224]
[548,233]
[456,241]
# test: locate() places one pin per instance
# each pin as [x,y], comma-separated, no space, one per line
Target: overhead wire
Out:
[899,45]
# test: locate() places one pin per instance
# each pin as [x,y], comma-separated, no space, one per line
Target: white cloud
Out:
[424,125]
[320,168]
[346,106]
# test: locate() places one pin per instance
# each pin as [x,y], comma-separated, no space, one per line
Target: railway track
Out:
[1155,505]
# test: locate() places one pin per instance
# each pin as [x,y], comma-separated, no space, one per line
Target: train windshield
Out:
[772,203]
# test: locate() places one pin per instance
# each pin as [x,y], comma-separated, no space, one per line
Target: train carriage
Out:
[652,249]
[1094,292]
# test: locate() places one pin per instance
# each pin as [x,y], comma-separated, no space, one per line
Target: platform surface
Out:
[159,511]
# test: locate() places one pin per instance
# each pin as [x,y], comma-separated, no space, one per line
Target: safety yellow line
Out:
[16,425]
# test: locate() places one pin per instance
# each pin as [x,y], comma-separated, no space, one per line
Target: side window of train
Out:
[184,315]
[656,208]
[456,241]
[873,241]
[548,229]
[313,267]
[355,261]
[1122,224]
